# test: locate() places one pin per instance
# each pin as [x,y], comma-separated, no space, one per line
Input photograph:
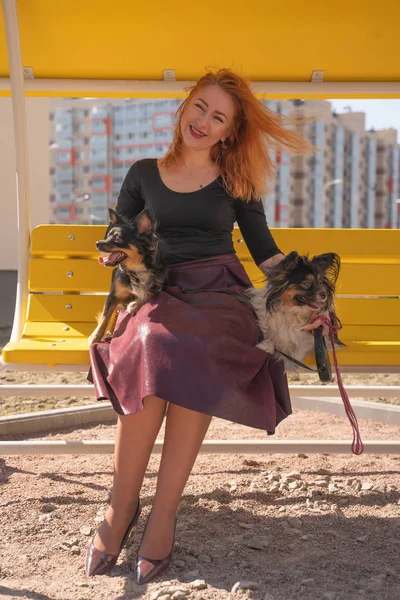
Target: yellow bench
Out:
[67,290]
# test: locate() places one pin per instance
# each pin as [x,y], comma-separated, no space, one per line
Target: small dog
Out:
[138,254]
[296,288]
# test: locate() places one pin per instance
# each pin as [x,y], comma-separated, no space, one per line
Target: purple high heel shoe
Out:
[98,562]
[148,569]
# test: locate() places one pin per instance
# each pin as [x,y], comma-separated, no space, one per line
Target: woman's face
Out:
[207,118]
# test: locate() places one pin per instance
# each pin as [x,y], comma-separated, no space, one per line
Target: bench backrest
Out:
[67,285]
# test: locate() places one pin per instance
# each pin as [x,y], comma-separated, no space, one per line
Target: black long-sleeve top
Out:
[195,224]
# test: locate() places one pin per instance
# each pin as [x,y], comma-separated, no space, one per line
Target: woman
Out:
[188,353]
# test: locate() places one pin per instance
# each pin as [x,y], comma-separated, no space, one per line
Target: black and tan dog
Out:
[296,288]
[138,256]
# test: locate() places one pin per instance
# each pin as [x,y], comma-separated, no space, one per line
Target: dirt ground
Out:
[16,405]
[267,527]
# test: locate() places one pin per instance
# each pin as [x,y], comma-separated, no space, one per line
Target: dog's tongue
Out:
[110,259]
[315,305]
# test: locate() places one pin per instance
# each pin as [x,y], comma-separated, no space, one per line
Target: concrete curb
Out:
[50,420]
[57,418]
[377,411]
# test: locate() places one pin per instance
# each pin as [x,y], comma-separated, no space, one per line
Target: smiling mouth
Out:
[306,301]
[196,133]
[112,259]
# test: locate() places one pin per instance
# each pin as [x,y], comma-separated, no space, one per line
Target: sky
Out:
[380,114]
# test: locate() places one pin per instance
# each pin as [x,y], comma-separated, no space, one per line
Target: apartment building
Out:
[93,145]
[352,180]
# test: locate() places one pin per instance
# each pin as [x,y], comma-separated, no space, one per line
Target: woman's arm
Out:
[253,225]
[130,201]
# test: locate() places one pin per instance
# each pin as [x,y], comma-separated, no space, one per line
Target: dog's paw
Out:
[133,307]
[92,339]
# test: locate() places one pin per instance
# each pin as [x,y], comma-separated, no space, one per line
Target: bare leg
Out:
[134,442]
[184,433]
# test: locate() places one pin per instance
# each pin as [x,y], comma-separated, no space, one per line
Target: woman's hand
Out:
[271,261]
[314,325]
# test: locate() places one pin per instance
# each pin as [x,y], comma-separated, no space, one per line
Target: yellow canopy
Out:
[355,41]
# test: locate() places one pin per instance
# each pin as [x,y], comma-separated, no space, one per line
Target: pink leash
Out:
[334,326]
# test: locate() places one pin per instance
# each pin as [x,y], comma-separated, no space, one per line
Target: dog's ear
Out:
[145,222]
[329,263]
[115,219]
[338,342]
[290,261]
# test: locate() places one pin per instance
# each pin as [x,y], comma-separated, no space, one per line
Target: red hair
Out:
[246,166]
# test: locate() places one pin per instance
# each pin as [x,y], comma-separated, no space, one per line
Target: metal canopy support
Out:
[285,89]
[22,163]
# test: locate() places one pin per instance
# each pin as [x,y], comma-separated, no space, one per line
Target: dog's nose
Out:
[98,244]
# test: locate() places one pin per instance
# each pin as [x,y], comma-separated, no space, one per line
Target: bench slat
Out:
[354,243]
[87,275]
[357,279]
[54,240]
[371,333]
[74,352]
[54,307]
[59,330]
[368,311]
[363,334]
[66,240]
[52,275]
[84,308]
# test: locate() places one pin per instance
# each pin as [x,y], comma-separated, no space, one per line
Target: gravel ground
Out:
[268,527]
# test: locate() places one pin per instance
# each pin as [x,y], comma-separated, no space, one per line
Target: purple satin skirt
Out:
[196,350]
